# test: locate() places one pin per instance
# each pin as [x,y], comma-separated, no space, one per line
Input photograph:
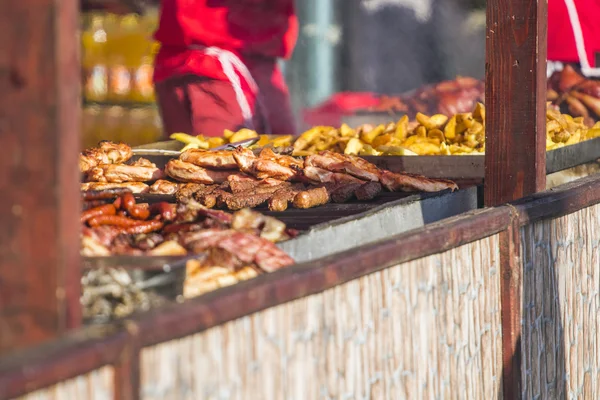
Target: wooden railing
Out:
[507,239]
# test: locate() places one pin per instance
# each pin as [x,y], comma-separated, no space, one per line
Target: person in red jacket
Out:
[574,34]
[217,65]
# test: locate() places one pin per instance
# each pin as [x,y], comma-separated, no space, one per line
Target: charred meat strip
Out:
[395,182]
[368,191]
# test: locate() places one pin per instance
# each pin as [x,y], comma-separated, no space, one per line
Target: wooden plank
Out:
[515,98]
[562,200]
[73,355]
[510,299]
[39,182]
[301,280]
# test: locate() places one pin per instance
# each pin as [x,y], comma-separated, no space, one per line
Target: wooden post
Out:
[39,178]
[515,96]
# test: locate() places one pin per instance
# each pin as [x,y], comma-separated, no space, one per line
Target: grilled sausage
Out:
[115,220]
[143,227]
[311,198]
[107,209]
[165,210]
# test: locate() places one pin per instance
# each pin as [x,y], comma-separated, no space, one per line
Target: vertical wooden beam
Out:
[39,194]
[515,95]
[511,286]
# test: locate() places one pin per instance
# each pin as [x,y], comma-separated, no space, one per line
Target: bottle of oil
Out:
[94,66]
[118,44]
[143,68]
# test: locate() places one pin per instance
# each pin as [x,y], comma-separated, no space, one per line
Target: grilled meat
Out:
[162,186]
[368,191]
[395,182]
[140,171]
[311,198]
[106,153]
[134,187]
[209,159]
[281,198]
[185,172]
[260,167]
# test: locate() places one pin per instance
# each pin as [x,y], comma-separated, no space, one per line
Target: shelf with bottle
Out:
[117,58]
[134,126]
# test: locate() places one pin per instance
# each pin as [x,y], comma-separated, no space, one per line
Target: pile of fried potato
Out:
[460,134]
[438,134]
[201,142]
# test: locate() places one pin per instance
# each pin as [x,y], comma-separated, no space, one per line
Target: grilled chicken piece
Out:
[209,159]
[135,187]
[283,160]
[260,167]
[395,182]
[162,186]
[186,172]
[140,171]
[352,165]
[106,153]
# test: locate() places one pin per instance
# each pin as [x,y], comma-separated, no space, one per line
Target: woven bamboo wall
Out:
[96,385]
[419,330]
[561,315]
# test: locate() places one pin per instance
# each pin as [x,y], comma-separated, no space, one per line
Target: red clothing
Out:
[247,28]
[561,40]
[203,106]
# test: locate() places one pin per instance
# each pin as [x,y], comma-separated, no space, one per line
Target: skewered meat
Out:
[186,172]
[133,187]
[260,167]
[106,153]
[209,159]
[162,186]
[140,171]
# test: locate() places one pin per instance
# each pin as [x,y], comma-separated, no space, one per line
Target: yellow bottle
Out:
[143,88]
[94,67]
[119,77]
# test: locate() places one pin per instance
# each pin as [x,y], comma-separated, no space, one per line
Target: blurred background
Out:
[385,47]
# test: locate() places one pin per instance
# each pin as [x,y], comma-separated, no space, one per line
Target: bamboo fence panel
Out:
[561,315]
[425,329]
[96,385]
